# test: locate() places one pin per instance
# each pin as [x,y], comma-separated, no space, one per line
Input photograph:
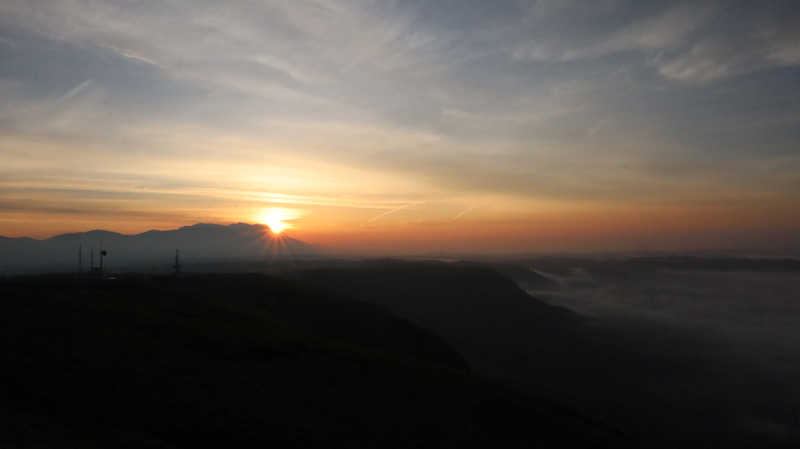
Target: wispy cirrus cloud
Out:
[606,35]
[301,101]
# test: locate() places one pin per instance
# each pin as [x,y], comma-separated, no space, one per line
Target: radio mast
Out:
[177,265]
[103,253]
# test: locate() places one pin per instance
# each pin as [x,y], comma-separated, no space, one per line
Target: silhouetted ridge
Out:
[441,295]
[199,242]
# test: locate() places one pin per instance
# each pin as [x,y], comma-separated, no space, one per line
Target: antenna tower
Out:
[103,253]
[177,265]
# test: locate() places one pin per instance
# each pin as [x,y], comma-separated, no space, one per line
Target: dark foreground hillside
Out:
[664,385]
[245,361]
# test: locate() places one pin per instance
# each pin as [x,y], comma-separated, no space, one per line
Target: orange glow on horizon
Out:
[492,227]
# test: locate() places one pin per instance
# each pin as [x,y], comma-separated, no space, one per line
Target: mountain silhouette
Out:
[199,242]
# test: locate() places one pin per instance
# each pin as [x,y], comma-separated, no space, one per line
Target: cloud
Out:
[664,30]
[785,53]
[717,58]
[687,41]
[568,100]
[742,41]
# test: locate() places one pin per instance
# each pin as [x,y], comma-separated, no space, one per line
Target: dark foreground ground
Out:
[665,383]
[380,354]
[246,361]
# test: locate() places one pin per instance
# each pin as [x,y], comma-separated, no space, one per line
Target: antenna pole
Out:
[177,265]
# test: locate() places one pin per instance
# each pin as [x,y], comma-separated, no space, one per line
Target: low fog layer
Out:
[742,314]
[756,299]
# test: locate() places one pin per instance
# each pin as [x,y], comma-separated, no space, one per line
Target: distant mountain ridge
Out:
[154,248]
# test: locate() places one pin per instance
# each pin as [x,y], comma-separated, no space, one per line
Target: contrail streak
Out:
[461,214]
[391,211]
[75,90]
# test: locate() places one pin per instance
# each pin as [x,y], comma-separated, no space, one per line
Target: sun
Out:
[276,225]
[277,219]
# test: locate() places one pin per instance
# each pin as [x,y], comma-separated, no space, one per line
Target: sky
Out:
[407,126]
